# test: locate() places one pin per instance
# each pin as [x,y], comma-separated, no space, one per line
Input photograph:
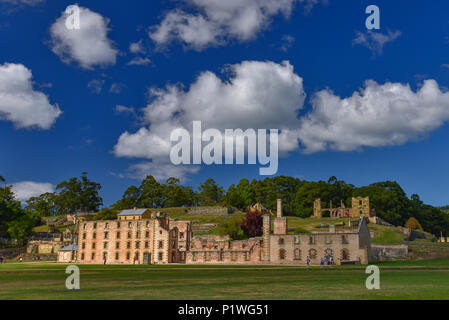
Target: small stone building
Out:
[67,254]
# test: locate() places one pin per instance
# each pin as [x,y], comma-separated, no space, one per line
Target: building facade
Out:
[157,240]
[161,240]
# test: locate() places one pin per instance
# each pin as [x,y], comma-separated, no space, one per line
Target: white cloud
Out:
[378,115]
[20,103]
[136,47]
[258,95]
[375,41]
[89,46]
[123,109]
[23,2]
[96,85]
[116,88]
[27,189]
[214,22]
[139,61]
[287,42]
[160,171]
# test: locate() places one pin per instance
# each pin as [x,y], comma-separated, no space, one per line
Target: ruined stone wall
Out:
[294,249]
[210,210]
[386,252]
[360,207]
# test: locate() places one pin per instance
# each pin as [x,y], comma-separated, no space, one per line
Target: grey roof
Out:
[132,212]
[71,247]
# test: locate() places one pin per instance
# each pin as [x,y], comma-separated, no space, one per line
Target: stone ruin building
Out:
[162,240]
[360,208]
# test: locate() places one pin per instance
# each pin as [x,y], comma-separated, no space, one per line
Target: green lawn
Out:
[399,280]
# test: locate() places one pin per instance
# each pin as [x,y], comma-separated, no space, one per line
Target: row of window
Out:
[128,245]
[314,253]
[106,225]
[129,235]
[312,240]
[117,256]
[207,256]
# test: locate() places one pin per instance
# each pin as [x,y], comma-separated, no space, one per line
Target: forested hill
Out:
[388,198]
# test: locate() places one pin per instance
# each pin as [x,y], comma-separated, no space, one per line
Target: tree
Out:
[22,228]
[232,229]
[79,195]
[252,224]
[46,205]
[152,193]
[210,193]
[107,214]
[414,224]
[131,199]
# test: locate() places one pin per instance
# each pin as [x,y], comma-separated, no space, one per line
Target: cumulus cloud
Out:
[378,115]
[214,22]
[267,95]
[375,41]
[89,46]
[28,189]
[257,95]
[20,103]
[160,171]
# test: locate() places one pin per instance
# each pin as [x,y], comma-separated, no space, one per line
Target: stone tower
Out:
[280,223]
[317,209]
[360,207]
[266,236]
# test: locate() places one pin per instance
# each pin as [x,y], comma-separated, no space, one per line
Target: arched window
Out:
[312,253]
[328,252]
[297,254]
[282,254]
[281,241]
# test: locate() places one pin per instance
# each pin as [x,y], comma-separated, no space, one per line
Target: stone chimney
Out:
[279,208]
[280,223]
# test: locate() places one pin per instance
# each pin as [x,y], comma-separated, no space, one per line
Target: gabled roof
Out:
[132,212]
[71,247]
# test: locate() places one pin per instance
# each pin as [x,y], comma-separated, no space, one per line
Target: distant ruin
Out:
[360,208]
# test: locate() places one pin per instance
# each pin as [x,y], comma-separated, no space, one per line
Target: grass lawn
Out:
[427,279]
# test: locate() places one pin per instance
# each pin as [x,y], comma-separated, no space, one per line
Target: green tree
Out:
[232,229]
[21,228]
[107,214]
[46,205]
[210,193]
[79,195]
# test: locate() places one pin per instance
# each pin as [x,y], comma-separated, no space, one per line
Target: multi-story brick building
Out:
[161,240]
[157,240]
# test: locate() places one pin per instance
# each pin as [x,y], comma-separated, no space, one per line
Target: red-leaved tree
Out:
[252,224]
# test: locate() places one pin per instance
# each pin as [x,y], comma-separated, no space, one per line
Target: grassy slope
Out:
[399,280]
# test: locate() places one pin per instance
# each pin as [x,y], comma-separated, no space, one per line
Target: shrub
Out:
[414,224]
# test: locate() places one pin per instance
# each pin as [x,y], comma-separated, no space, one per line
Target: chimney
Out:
[279,208]
[135,208]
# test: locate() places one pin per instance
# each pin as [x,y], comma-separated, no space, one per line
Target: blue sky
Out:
[77,128]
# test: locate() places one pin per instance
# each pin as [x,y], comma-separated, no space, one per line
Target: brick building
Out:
[161,240]
[157,240]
